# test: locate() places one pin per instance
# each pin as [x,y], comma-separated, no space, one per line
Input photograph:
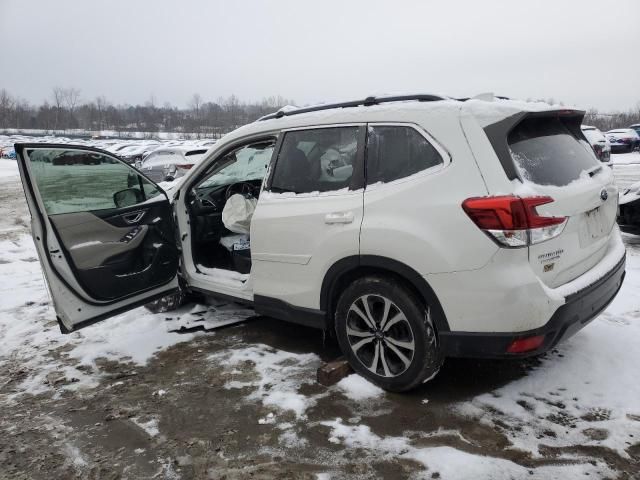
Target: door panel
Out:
[99,256]
[309,215]
[292,246]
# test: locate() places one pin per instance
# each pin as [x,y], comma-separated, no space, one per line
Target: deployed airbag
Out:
[237,213]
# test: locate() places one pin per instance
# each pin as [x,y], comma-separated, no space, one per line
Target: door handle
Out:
[343,217]
[134,217]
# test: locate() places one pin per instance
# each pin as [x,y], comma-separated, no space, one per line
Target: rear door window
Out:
[395,152]
[316,160]
[546,152]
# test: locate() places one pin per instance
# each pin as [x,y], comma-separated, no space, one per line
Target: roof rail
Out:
[367,102]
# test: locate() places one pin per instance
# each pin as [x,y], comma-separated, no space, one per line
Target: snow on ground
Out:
[449,463]
[585,393]
[29,332]
[357,388]
[8,168]
[279,375]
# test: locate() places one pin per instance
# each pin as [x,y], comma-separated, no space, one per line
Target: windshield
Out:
[248,163]
[546,152]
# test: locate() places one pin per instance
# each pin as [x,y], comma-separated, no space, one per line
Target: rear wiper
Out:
[594,170]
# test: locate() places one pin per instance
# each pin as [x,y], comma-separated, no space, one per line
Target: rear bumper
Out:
[579,309]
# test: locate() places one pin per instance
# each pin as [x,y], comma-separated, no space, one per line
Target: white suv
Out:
[414,227]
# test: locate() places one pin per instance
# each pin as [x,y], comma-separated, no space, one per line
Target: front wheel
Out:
[387,334]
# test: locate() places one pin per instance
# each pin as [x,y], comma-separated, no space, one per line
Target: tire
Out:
[166,304]
[408,350]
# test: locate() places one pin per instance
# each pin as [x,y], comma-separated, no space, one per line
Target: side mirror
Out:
[127,198]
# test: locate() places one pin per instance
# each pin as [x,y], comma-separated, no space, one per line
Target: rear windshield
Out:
[546,152]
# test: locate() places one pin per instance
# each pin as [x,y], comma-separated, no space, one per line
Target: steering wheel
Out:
[246,189]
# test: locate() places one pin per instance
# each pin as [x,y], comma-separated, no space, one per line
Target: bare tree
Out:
[101,107]
[71,98]
[195,104]
[6,108]
[66,110]
[58,99]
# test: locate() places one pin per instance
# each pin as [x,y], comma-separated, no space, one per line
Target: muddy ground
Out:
[177,417]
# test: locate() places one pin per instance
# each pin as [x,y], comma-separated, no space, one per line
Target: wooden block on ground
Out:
[334,371]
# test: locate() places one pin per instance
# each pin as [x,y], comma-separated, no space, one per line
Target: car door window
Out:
[395,152]
[316,160]
[73,181]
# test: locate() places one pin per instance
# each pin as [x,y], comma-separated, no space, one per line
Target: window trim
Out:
[207,163]
[358,176]
[443,152]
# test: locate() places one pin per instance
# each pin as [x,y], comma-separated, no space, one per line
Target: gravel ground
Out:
[128,399]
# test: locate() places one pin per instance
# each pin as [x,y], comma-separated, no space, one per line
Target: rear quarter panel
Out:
[419,220]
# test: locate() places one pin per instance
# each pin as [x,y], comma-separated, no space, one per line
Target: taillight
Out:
[513,221]
[186,166]
[526,344]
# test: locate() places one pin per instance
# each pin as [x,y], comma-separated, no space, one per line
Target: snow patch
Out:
[150,426]
[450,463]
[279,375]
[358,388]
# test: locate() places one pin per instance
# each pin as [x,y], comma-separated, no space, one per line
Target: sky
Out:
[581,52]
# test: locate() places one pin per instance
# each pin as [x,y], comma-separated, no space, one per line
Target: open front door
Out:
[104,233]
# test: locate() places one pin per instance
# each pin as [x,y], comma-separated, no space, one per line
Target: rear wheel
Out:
[386,334]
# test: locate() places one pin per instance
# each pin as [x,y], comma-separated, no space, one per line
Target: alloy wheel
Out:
[380,335]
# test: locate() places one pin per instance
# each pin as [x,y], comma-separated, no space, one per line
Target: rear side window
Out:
[316,160]
[395,152]
[546,152]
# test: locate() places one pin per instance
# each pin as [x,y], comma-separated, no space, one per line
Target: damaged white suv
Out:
[414,227]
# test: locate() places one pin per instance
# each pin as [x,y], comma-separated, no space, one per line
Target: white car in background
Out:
[623,140]
[166,164]
[136,153]
[415,228]
[600,144]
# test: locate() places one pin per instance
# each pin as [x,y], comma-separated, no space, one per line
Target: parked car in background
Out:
[136,153]
[117,148]
[8,152]
[629,206]
[601,146]
[169,163]
[623,140]
[636,127]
